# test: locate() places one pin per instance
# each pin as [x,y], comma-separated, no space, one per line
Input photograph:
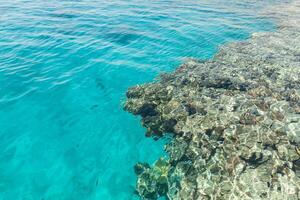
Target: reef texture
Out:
[234,121]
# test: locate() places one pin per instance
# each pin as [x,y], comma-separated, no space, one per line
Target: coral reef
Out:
[153,181]
[235,121]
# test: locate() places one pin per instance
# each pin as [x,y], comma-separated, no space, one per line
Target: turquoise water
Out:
[65,66]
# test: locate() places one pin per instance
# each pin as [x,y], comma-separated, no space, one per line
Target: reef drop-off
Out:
[235,120]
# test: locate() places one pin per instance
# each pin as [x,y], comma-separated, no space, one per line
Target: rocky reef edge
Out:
[234,120]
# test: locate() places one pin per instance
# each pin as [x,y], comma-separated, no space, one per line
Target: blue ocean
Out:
[65,66]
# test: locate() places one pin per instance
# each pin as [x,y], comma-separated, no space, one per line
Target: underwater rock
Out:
[152,181]
[235,121]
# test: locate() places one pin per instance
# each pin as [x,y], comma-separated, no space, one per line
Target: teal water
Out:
[65,66]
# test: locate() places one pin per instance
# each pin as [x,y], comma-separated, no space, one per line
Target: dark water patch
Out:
[100,84]
[121,38]
[63,15]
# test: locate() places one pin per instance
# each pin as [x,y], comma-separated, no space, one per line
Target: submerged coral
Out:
[153,181]
[235,121]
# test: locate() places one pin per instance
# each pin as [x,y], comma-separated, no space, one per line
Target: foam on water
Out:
[64,69]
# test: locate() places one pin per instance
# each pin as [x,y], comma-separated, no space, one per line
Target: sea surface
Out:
[65,66]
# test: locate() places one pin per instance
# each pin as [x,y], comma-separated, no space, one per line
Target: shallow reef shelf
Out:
[235,120]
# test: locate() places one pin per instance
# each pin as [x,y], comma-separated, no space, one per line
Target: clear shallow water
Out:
[64,70]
